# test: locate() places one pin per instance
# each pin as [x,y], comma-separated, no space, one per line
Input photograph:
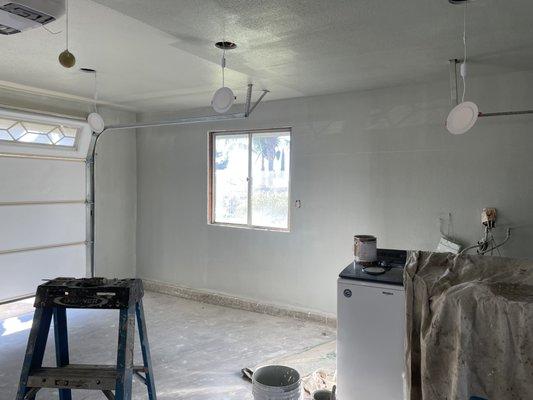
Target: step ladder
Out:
[51,302]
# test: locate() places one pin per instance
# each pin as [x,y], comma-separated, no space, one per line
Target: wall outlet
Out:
[488,217]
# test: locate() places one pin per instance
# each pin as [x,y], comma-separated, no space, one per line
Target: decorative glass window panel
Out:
[28,132]
[249,179]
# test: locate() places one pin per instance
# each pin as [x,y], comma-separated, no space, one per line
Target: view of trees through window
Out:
[251,178]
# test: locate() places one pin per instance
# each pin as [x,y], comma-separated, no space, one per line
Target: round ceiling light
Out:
[96,122]
[223,99]
[462,118]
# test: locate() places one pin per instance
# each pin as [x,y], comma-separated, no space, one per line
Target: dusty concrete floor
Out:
[197,349]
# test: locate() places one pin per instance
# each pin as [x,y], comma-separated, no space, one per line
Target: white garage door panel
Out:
[43,214]
[26,270]
[41,180]
[41,225]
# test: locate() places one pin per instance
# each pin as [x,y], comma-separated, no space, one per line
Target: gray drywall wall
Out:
[116,199]
[377,162]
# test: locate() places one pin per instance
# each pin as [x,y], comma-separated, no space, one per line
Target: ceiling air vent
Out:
[21,15]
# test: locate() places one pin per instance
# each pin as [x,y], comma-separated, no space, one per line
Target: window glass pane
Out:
[33,127]
[35,138]
[66,141]
[55,136]
[68,131]
[230,178]
[37,133]
[4,135]
[17,131]
[270,179]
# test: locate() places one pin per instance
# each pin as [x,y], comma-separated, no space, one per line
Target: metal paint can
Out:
[364,248]
[276,382]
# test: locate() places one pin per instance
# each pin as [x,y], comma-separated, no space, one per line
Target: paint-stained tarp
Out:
[469,327]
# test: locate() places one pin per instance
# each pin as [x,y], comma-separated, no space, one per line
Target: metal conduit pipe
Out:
[91,157]
[502,113]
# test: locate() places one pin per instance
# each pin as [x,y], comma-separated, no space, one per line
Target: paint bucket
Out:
[276,382]
[364,248]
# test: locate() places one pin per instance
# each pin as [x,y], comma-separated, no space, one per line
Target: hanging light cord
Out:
[223,64]
[66,15]
[463,67]
[95,93]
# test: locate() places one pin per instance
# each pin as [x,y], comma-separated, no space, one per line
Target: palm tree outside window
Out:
[249,178]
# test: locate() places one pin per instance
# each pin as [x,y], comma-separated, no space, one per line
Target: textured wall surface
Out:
[116,199]
[377,162]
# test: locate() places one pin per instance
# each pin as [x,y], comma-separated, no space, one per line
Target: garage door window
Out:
[249,179]
[27,132]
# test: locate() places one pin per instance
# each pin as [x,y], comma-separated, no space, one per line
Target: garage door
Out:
[42,201]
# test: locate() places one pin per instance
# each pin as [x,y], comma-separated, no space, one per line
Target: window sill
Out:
[249,227]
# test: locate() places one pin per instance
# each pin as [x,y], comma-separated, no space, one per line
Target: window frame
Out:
[37,120]
[211,183]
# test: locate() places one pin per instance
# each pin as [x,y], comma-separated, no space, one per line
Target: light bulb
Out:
[67,59]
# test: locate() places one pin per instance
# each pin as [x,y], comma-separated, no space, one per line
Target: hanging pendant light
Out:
[465,114]
[224,97]
[94,119]
[96,122]
[66,58]
[462,118]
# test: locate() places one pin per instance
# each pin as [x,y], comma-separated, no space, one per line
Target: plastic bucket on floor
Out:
[276,382]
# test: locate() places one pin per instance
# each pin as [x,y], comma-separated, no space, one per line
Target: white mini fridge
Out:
[370,340]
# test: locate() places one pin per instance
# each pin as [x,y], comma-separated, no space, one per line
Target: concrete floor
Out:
[198,349]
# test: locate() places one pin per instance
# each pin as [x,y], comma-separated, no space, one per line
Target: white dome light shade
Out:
[223,99]
[96,122]
[462,118]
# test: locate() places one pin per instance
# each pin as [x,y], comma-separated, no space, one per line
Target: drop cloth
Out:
[469,327]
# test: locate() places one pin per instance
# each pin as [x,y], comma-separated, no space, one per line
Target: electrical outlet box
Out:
[488,217]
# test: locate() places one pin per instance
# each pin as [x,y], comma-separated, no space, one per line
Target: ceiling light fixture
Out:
[95,120]
[224,97]
[465,114]
[66,58]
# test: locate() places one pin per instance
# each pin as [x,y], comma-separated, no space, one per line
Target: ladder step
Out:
[77,376]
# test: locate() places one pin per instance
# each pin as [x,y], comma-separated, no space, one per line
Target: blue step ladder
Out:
[51,302]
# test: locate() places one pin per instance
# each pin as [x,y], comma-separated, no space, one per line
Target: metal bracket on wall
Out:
[454,93]
[91,157]
[454,90]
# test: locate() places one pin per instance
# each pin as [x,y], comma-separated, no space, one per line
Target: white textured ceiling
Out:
[159,54]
